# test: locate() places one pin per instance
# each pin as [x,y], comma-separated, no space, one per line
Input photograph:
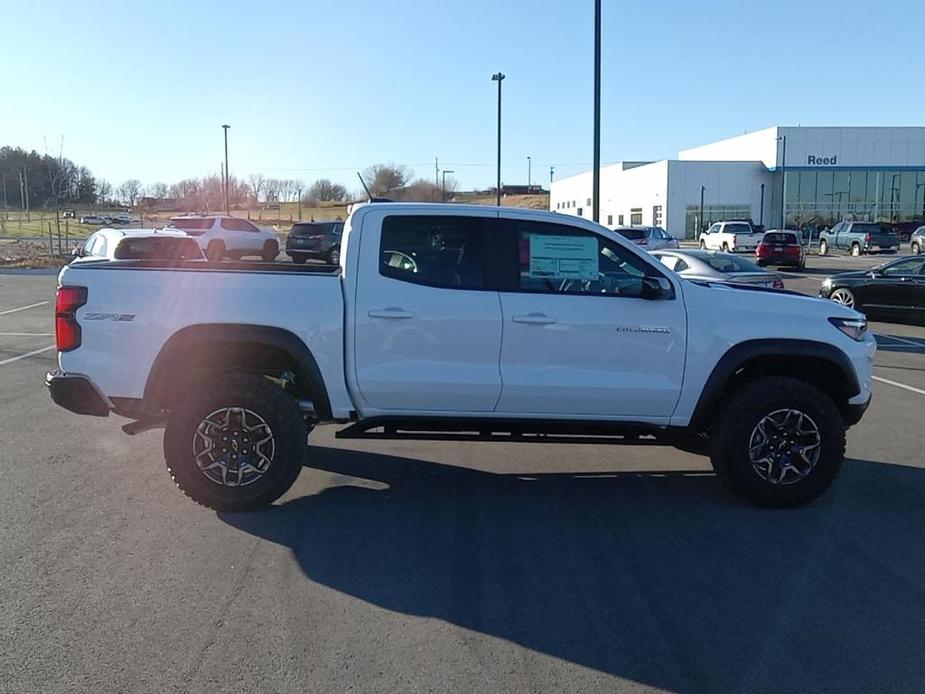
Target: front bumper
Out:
[852,414]
[77,393]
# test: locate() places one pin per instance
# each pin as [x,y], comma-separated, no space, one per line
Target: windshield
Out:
[191,222]
[633,234]
[315,229]
[738,229]
[725,262]
[779,237]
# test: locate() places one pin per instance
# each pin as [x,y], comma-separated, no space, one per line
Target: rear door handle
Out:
[390,312]
[534,319]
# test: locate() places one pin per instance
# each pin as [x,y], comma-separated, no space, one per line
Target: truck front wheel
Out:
[237,443]
[778,442]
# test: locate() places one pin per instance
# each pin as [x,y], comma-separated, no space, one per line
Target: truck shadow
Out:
[660,578]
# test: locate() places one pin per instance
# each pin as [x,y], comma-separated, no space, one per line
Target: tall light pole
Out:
[529,171]
[697,231]
[783,181]
[596,183]
[227,170]
[551,172]
[499,78]
[443,195]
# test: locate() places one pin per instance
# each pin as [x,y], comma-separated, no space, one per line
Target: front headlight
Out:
[827,283]
[855,328]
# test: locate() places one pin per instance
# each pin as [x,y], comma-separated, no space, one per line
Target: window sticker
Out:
[563,257]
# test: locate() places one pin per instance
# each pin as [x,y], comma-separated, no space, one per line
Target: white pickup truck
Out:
[730,237]
[450,321]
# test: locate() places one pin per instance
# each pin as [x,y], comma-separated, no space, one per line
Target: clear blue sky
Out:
[322,88]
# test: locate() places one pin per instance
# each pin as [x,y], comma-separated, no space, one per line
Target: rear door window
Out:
[437,251]
[237,224]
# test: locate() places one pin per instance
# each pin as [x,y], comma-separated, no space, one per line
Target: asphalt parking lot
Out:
[399,566]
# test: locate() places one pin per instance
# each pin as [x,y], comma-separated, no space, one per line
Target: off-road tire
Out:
[270,251]
[741,413]
[823,247]
[260,396]
[855,249]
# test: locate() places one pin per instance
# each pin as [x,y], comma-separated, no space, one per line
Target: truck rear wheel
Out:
[823,247]
[236,444]
[778,442]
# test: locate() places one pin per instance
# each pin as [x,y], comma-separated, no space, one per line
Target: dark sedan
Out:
[896,288]
[315,240]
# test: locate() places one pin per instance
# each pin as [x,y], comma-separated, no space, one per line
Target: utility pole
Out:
[596,182]
[224,187]
[761,209]
[25,175]
[443,195]
[436,171]
[6,204]
[701,222]
[551,172]
[783,182]
[300,203]
[227,171]
[499,78]
[529,165]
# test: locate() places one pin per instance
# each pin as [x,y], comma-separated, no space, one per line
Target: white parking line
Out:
[899,385]
[911,343]
[22,308]
[39,351]
[27,334]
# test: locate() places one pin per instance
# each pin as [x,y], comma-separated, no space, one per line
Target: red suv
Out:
[780,248]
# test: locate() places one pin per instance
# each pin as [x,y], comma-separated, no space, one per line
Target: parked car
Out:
[68,214]
[137,244]
[896,288]
[514,323]
[917,240]
[223,236]
[730,237]
[316,240]
[857,238]
[92,219]
[711,266]
[782,248]
[649,238]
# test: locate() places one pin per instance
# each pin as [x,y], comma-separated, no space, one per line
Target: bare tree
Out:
[103,191]
[158,190]
[323,190]
[257,185]
[386,178]
[129,192]
[271,186]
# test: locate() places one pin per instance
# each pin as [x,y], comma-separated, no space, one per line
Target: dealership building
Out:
[826,175]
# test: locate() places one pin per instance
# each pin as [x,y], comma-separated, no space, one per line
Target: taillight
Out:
[778,283]
[867,237]
[67,330]
[762,249]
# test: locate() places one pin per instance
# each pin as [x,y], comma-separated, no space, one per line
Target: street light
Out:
[697,232]
[596,176]
[499,78]
[529,168]
[443,195]
[227,171]
[783,181]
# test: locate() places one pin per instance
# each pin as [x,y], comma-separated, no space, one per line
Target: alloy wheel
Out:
[784,447]
[843,297]
[233,446]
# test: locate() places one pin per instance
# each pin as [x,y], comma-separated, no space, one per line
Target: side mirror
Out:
[655,288]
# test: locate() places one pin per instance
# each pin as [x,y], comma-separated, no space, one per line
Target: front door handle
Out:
[390,312]
[534,319]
